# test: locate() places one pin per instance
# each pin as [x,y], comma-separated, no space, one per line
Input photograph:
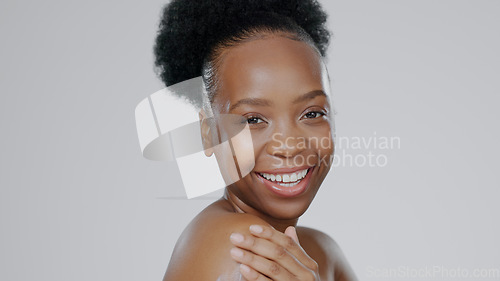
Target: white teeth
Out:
[288,184]
[286,179]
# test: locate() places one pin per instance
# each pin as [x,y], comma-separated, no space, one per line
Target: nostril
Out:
[285,145]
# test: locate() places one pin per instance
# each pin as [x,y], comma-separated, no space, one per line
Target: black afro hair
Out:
[190,29]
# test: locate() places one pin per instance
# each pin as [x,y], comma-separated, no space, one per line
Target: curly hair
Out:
[193,33]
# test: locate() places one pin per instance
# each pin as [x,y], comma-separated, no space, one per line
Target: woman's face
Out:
[280,87]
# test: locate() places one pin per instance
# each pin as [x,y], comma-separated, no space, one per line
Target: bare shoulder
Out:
[327,250]
[317,238]
[202,250]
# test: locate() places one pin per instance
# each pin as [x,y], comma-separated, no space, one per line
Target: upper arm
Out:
[203,250]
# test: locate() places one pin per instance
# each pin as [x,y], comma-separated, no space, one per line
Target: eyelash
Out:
[253,117]
[321,114]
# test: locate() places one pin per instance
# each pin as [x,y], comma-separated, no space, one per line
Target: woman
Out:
[262,60]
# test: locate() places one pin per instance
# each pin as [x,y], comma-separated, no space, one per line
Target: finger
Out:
[285,241]
[269,250]
[264,266]
[292,232]
[251,274]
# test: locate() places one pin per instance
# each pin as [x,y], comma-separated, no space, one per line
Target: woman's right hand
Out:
[268,254]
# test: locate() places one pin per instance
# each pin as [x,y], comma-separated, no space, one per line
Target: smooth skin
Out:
[252,232]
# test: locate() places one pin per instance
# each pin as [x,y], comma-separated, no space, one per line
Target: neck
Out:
[241,207]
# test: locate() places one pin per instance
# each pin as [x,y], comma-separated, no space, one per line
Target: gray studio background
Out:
[78,201]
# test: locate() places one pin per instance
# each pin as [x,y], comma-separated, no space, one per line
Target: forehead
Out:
[270,65]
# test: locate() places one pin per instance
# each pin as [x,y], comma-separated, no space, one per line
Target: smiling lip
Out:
[287,191]
[285,170]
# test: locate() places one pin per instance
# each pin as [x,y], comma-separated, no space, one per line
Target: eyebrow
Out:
[309,96]
[251,101]
[264,102]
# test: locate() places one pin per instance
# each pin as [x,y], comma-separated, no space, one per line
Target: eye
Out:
[314,114]
[254,120]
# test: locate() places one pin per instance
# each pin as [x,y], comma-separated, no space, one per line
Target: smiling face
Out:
[279,86]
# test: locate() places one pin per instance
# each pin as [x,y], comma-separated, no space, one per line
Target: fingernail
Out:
[245,268]
[236,238]
[256,228]
[237,252]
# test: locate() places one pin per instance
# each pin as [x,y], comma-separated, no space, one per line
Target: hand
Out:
[268,254]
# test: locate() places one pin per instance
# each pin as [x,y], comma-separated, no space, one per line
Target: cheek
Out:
[244,151]
[236,156]
[227,163]
[321,141]
[326,144]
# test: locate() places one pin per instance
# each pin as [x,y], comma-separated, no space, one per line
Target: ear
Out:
[206,133]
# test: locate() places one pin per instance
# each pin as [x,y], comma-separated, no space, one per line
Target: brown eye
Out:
[313,114]
[254,120]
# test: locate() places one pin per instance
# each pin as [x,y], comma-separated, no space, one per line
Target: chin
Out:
[287,210]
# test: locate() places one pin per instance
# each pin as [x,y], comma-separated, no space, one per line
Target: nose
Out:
[286,142]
